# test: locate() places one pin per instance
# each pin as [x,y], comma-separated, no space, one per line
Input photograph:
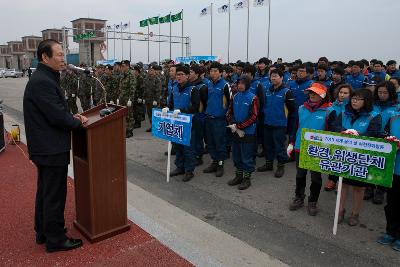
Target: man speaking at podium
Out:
[48,125]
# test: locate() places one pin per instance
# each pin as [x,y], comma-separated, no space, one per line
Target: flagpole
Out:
[148,42]
[269,24]
[159,46]
[182,32]
[114,43]
[130,42]
[108,57]
[248,23]
[122,44]
[211,39]
[229,27]
[170,36]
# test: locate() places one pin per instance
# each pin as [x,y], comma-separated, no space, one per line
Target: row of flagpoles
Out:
[226,9]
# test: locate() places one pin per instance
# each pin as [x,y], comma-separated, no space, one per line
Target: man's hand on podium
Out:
[83,119]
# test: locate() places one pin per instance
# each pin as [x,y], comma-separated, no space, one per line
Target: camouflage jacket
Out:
[69,84]
[152,89]
[127,87]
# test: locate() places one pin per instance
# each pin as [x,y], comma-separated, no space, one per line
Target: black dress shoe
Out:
[41,239]
[64,246]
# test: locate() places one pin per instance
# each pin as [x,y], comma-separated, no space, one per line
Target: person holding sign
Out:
[184,98]
[242,117]
[315,114]
[358,118]
[392,208]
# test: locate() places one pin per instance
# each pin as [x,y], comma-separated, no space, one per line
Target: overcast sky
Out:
[306,29]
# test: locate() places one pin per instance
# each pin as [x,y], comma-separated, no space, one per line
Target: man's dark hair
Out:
[276,71]
[338,70]
[195,68]
[45,47]
[216,65]
[391,62]
[250,69]
[228,69]
[308,67]
[294,68]
[324,59]
[322,67]
[391,90]
[183,68]
[357,63]
[368,98]
[378,62]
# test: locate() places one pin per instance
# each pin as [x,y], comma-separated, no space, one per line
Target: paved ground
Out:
[257,217]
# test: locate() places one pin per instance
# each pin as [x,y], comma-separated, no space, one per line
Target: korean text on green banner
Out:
[366,159]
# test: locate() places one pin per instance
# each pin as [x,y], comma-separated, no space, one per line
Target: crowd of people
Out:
[258,110]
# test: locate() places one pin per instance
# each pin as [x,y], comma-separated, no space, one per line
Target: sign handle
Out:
[339,194]
[169,160]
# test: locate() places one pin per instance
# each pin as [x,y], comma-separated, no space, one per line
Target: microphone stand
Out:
[107,110]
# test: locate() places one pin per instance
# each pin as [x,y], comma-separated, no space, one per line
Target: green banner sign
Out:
[144,23]
[366,159]
[85,35]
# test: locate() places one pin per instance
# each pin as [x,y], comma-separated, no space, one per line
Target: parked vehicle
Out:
[13,73]
[2,72]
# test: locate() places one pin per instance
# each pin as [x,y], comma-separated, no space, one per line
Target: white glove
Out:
[289,150]
[176,112]
[73,95]
[350,131]
[232,127]
[154,103]
[117,101]
[129,103]
[139,100]
[144,101]
[164,111]
[112,102]
[240,133]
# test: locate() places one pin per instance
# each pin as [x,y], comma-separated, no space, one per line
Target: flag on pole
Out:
[117,26]
[144,23]
[176,17]
[223,9]
[259,3]
[125,25]
[153,20]
[165,19]
[205,11]
[241,4]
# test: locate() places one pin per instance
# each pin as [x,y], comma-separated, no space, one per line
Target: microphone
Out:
[79,69]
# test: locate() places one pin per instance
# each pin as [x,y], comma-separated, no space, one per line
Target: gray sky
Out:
[306,29]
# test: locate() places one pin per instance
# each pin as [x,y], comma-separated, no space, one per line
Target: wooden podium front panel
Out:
[82,196]
[108,171]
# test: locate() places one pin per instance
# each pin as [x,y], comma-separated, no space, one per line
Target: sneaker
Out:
[379,196]
[211,168]
[188,176]
[176,172]
[330,185]
[386,239]
[396,245]
[129,134]
[312,208]
[297,203]
[353,220]
[237,179]
[245,184]
[368,193]
[220,169]
[266,167]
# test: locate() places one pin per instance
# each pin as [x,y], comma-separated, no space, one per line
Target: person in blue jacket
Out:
[322,76]
[342,94]
[385,103]
[379,73]
[358,116]
[396,82]
[392,208]
[392,70]
[242,117]
[278,107]
[184,98]
[356,79]
[262,72]
[315,114]
[218,96]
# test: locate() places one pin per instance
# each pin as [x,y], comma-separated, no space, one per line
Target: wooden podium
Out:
[99,157]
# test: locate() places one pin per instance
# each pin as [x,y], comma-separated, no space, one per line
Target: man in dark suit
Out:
[48,125]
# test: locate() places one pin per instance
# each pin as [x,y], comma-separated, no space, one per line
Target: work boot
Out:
[353,220]
[238,178]
[379,196]
[297,203]
[368,193]
[199,161]
[129,134]
[176,172]
[245,182]
[312,208]
[220,169]
[268,166]
[211,168]
[137,125]
[280,170]
[188,176]
[148,130]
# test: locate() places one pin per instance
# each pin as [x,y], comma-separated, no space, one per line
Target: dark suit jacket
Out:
[48,122]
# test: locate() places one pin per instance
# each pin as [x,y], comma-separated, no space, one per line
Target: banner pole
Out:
[338,196]
[169,160]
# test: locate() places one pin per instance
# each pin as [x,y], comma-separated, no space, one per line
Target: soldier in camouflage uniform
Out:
[85,88]
[152,92]
[138,106]
[111,84]
[98,93]
[127,94]
[118,75]
[69,83]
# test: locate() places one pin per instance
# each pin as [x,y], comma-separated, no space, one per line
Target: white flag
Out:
[205,11]
[258,3]
[223,9]
[241,4]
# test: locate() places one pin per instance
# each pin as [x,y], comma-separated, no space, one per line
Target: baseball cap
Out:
[318,88]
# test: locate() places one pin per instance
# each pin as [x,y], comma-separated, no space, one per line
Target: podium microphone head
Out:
[78,69]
